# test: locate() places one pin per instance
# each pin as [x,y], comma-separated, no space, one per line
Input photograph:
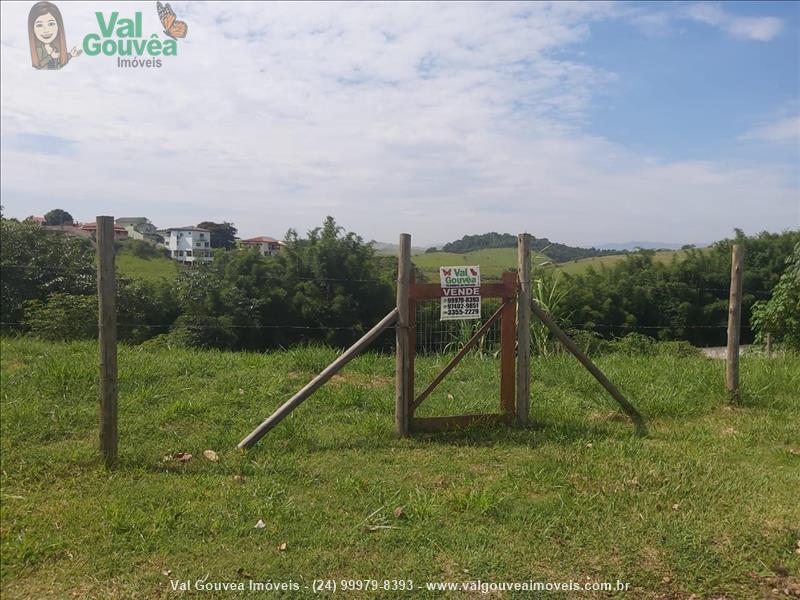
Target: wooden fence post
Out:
[734,321]
[318,381]
[402,351]
[508,339]
[570,345]
[107,338]
[523,328]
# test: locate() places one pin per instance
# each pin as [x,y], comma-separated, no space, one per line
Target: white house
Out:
[140,228]
[267,246]
[188,244]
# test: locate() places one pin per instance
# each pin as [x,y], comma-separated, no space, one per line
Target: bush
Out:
[63,317]
[142,249]
[35,264]
[780,316]
[634,344]
[590,342]
[190,331]
[144,309]
[163,341]
[678,348]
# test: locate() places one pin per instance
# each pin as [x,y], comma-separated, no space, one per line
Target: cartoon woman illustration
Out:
[46,35]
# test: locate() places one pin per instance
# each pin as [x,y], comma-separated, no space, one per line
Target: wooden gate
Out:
[514,316]
[506,290]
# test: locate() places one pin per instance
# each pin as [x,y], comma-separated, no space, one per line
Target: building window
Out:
[180,252]
[188,253]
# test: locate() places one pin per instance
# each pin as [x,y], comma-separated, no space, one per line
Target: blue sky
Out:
[689,90]
[582,122]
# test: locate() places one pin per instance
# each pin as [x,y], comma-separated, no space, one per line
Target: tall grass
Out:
[549,293]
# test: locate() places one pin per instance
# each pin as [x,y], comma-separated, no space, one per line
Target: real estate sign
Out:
[461,292]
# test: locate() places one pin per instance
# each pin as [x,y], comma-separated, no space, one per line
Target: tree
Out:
[63,317]
[223,235]
[58,216]
[686,298]
[35,263]
[241,293]
[780,315]
[334,283]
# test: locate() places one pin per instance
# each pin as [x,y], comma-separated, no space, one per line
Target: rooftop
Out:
[189,228]
[262,239]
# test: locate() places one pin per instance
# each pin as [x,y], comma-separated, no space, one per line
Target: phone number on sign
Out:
[362,585]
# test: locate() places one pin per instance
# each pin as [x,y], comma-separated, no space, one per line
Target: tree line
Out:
[684,299]
[329,287]
[558,253]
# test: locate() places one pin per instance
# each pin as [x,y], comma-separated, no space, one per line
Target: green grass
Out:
[146,268]
[579,266]
[492,261]
[706,505]
[496,260]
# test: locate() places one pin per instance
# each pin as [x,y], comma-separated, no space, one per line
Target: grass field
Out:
[707,505]
[146,268]
[496,260]
[579,266]
[492,261]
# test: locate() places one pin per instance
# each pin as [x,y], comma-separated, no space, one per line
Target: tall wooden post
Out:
[734,321]
[403,350]
[107,337]
[523,328]
[508,339]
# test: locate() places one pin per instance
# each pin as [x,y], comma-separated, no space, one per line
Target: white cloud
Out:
[437,119]
[762,29]
[786,129]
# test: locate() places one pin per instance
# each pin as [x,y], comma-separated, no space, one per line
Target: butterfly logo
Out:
[473,271]
[447,272]
[172,27]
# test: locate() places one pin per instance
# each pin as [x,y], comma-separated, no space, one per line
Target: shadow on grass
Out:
[536,434]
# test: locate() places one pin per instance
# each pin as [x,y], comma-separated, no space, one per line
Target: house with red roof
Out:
[266,245]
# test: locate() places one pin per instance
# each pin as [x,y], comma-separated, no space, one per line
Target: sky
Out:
[586,123]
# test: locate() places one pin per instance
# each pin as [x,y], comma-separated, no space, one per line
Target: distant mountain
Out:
[556,252]
[646,245]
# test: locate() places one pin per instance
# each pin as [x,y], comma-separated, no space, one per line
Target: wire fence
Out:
[432,335]
[298,277]
[93,270]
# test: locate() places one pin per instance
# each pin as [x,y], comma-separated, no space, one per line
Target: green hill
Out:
[579,266]
[496,260]
[492,261]
[558,253]
[142,261]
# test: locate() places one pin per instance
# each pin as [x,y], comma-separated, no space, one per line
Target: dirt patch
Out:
[721,352]
[779,586]
[613,415]
[360,379]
